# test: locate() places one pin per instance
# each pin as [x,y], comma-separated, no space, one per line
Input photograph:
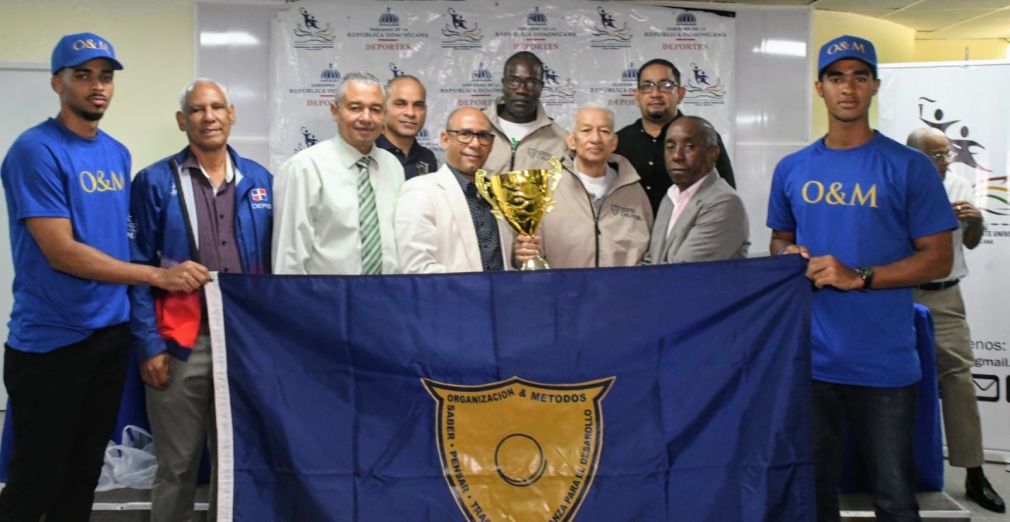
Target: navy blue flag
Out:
[629,394]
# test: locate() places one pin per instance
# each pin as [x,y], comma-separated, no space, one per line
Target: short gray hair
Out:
[362,78]
[594,106]
[188,89]
[707,130]
[917,139]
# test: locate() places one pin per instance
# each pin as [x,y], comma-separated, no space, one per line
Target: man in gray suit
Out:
[701,218]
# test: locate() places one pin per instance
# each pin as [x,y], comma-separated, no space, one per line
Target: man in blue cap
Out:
[67,190]
[873,219]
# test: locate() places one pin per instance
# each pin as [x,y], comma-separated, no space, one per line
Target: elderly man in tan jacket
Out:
[602,216]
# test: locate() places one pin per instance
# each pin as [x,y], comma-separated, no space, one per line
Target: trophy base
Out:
[537,263]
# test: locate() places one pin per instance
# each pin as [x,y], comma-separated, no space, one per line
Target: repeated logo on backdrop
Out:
[458,49]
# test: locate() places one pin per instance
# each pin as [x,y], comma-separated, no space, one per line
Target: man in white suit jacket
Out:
[701,218]
[442,224]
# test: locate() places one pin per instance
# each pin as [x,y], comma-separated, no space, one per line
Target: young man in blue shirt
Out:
[67,190]
[872,217]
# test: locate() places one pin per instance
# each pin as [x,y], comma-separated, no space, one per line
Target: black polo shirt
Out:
[420,160]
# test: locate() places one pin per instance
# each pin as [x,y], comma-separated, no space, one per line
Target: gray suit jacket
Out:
[713,227]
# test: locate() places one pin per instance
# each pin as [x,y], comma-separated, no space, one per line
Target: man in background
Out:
[658,94]
[525,137]
[954,358]
[406,111]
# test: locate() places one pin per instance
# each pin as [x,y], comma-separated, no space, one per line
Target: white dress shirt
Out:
[316,227]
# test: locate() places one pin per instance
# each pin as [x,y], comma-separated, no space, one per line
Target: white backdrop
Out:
[591,52]
[963,101]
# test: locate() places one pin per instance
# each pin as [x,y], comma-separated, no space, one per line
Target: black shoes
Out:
[983,494]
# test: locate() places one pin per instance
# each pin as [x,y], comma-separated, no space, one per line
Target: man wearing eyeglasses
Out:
[954,358]
[442,224]
[658,94]
[525,137]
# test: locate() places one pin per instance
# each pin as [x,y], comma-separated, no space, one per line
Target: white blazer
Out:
[434,229]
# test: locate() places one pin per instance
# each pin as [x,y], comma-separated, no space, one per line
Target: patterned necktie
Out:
[368,220]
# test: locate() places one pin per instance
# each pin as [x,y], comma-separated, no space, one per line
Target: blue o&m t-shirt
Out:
[865,206]
[52,172]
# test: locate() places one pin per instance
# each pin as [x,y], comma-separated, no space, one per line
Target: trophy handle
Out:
[481,181]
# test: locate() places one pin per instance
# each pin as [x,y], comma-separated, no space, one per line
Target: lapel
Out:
[452,193]
[687,218]
[659,226]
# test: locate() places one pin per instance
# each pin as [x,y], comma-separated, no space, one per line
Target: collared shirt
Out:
[215,217]
[484,224]
[316,224]
[646,154]
[958,189]
[680,200]
[418,160]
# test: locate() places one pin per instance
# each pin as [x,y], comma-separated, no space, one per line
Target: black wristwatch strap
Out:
[866,274]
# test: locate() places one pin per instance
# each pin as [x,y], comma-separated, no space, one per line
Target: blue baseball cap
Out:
[75,49]
[844,47]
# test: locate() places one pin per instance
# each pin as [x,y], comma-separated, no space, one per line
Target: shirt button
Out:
[224,242]
[221,216]
[650,163]
[648,187]
[225,269]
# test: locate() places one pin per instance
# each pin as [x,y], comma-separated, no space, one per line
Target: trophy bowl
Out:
[521,198]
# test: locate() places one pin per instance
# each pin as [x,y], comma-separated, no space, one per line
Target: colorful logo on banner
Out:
[306,140]
[536,34]
[556,92]
[966,151]
[480,91]
[620,92]
[461,34]
[703,89]
[685,34]
[387,34]
[310,36]
[607,34]
[319,94]
[519,450]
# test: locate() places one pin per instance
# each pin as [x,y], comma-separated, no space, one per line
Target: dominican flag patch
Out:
[259,194]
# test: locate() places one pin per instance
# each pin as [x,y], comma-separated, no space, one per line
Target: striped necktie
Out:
[368,220]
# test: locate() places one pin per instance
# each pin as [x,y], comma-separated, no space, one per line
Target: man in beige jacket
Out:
[602,215]
[525,137]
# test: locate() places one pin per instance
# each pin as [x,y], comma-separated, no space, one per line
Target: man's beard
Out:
[88,115]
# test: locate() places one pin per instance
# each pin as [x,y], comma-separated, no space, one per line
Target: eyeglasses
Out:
[513,82]
[941,156]
[664,86]
[465,136]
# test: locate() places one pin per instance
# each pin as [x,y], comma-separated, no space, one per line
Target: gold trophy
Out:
[520,198]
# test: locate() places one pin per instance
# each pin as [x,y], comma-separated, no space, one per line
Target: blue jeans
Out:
[883,422]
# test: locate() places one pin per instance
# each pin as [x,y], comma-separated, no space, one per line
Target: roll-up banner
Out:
[962,100]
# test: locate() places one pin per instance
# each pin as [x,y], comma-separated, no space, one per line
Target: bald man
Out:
[954,358]
[442,224]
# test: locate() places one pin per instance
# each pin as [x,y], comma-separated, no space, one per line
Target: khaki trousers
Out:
[954,361]
[182,418]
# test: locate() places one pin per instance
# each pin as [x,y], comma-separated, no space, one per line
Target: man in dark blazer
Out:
[701,218]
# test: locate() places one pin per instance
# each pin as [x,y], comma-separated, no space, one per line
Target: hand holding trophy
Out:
[521,198]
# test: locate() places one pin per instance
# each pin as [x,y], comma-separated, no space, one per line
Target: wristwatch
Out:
[866,274]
